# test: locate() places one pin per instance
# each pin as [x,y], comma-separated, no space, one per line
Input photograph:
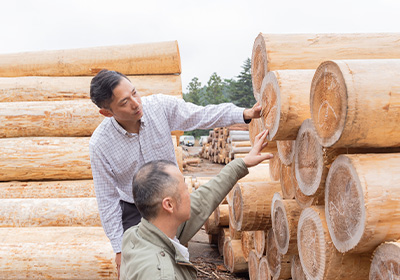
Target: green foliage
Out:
[241,90]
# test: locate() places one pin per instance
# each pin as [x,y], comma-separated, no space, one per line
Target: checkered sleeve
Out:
[183,115]
[107,199]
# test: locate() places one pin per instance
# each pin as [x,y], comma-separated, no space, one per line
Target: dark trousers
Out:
[130,214]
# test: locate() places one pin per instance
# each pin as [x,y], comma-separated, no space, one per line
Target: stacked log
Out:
[335,123]
[47,199]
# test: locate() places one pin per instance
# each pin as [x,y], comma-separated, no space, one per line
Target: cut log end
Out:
[263,272]
[258,65]
[296,269]
[386,262]
[273,256]
[287,182]
[286,151]
[308,159]
[345,211]
[328,102]
[253,263]
[237,208]
[311,243]
[280,225]
[270,103]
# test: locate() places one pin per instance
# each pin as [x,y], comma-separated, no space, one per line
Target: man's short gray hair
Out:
[150,186]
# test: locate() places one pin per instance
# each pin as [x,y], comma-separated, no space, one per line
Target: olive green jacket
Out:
[148,254]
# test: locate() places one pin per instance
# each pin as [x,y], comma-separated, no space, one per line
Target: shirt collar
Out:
[121,130]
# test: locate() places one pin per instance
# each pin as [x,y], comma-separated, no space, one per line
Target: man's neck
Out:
[168,227]
[132,127]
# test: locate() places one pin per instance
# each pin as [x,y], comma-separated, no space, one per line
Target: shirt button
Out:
[162,254]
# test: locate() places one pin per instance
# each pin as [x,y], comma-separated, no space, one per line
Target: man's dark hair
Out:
[102,86]
[150,186]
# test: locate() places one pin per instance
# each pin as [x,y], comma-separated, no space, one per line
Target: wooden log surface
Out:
[41,158]
[306,51]
[221,215]
[251,205]
[47,189]
[247,240]
[285,101]
[66,88]
[52,252]
[296,269]
[355,103]
[275,167]
[49,212]
[263,271]
[259,243]
[253,262]
[285,215]
[318,255]
[234,259]
[278,264]
[362,206]
[386,261]
[255,127]
[137,59]
[287,180]
[223,234]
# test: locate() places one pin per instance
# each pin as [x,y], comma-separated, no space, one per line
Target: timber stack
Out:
[331,103]
[48,209]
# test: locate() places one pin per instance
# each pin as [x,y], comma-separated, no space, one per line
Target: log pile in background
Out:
[49,220]
[331,103]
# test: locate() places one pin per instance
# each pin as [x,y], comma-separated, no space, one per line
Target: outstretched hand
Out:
[253,113]
[255,156]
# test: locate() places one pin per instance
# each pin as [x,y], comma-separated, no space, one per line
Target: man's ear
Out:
[106,112]
[168,204]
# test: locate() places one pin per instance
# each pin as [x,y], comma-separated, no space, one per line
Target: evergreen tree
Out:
[193,94]
[241,90]
[214,90]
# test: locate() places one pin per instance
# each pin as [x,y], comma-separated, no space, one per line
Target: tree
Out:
[193,94]
[241,90]
[214,91]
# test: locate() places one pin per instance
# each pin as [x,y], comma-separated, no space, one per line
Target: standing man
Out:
[137,131]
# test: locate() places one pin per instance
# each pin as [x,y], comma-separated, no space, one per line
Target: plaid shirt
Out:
[116,155]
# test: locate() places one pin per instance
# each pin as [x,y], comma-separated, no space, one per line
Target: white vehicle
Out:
[203,140]
[181,138]
[188,141]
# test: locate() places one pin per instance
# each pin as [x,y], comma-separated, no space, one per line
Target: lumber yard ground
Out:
[204,255]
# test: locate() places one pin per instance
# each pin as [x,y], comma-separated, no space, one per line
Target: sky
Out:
[213,36]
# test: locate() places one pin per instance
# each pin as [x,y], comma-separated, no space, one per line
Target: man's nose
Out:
[134,102]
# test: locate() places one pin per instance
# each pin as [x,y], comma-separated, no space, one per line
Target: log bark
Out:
[47,189]
[251,205]
[34,253]
[296,269]
[234,259]
[319,257]
[221,215]
[286,151]
[285,102]
[386,261]
[138,59]
[287,181]
[362,207]
[278,264]
[49,212]
[355,103]
[66,88]
[263,272]
[42,158]
[275,167]
[259,243]
[285,214]
[247,240]
[253,263]
[55,119]
[306,51]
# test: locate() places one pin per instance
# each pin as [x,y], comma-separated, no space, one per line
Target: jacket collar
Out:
[154,235]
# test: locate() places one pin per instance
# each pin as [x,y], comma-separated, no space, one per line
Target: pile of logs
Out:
[329,208]
[49,221]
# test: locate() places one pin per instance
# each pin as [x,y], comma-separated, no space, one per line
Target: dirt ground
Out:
[203,254]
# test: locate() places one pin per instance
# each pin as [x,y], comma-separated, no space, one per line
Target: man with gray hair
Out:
[171,216]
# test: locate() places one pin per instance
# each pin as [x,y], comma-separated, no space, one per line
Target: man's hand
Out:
[253,113]
[255,156]
[118,262]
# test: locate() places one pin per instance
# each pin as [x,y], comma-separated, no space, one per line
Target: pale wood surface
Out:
[278,264]
[67,88]
[137,59]
[234,259]
[49,212]
[253,262]
[362,204]
[56,253]
[356,103]
[386,261]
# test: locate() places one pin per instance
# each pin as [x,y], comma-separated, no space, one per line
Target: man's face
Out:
[182,211]
[127,104]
